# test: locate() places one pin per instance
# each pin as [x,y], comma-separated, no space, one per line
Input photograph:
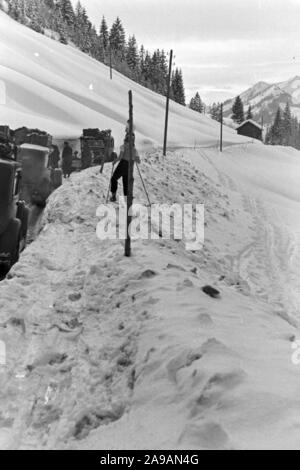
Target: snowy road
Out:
[268,265]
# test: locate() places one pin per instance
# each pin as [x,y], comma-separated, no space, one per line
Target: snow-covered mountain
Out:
[265,98]
[292,87]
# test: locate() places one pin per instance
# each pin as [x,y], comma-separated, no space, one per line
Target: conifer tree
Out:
[287,125]
[215,111]
[84,30]
[249,113]
[154,71]
[117,39]
[142,54]
[161,71]
[67,12]
[276,133]
[181,89]
[238,111]
[285,129]
[146,71]
[295,133]
[104,35]
[17,10]
[177,86]
[196,103]
[104,40]
[268,136]
[298,137]
[94,43]
[33,12]
[132,56]
[61,28]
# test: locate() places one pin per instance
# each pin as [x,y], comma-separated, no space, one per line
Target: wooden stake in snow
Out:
[168,103]
[130,179]
[221,130]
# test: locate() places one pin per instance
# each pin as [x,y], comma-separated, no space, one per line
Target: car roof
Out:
[8,162]
[34,147]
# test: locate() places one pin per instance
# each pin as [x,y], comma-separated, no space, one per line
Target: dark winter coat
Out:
[67,157]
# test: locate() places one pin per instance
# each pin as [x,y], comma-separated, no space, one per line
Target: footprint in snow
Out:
[175,266]
[205,435]
[216,389]
[148,274]
[75,297]
[186,283]
[205,320]
[184,359]
[49,358]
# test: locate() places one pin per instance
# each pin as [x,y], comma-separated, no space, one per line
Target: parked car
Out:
[14,214]
[38,181]
[97,147]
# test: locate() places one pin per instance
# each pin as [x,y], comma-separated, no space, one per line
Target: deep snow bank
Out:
[107,352]
[55,87]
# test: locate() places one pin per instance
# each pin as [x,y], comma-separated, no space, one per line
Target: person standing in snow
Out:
[54,158]
[123,167]
[67,158]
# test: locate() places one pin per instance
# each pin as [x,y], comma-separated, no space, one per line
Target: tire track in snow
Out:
[224,179]
[265,265]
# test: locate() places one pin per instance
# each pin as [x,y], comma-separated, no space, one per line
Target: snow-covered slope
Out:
[57,88]
[265,98]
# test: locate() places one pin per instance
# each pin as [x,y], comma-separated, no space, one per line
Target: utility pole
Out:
[167,104]
[130,179]
[262,127]
[221,129]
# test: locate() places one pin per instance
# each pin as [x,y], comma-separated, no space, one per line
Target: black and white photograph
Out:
[149,228]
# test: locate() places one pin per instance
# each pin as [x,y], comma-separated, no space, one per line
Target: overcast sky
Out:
[223,46]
